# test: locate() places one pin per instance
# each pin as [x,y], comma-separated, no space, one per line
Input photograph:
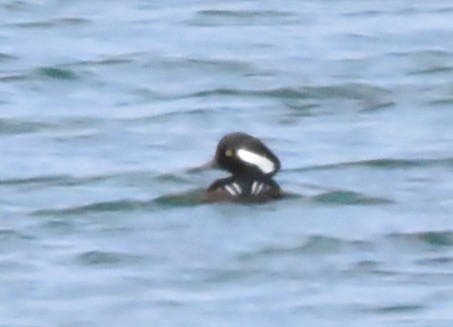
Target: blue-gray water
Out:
[105,104]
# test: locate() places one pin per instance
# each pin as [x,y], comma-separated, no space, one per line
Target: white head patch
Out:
[261,162]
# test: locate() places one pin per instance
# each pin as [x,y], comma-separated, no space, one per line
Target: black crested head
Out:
[240,153]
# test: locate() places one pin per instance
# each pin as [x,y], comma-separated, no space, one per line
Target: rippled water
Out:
[104,105]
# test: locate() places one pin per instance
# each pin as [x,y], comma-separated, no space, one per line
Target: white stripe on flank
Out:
[260,187]
[263,163]
[230,190]
[254,188]
[237,188]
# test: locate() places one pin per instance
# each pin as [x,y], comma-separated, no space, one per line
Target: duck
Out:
[252,166]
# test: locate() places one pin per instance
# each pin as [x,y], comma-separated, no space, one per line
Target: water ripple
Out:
[98,208]
[14,126]
[54,23]
[372,97]
[58,73]
[17,6]
[349,198]
[401,308]
[4,57]
[104,258]
[311,245]
[243,13]
[435,239]
[216,17]
[382,163]
[327,245]
[10,234]
[52,180]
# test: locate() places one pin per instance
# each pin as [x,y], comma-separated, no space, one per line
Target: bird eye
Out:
[229,153]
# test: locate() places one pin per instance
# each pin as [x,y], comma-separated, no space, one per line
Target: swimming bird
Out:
[251,164]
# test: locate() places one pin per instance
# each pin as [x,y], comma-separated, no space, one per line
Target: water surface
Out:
[105,105]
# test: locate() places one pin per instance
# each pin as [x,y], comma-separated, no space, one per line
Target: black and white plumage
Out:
[251,164]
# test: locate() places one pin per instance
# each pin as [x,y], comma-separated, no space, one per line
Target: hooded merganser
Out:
[252,165]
